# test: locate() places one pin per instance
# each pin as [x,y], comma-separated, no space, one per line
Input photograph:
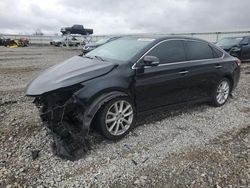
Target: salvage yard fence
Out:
[209,36]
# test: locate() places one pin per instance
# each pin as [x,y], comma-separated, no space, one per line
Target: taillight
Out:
[238,62]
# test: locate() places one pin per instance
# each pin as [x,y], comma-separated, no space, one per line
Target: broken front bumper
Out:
[65,121]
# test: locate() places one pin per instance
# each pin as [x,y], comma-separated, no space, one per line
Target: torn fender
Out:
[96,105]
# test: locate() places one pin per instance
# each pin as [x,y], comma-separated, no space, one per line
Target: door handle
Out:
[183,72]
[218,66]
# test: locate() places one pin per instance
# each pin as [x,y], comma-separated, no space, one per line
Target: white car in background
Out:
[69,40]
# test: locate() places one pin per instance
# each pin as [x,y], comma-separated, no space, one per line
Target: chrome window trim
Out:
[179,62]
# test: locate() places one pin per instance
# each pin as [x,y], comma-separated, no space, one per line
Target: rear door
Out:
[204,66]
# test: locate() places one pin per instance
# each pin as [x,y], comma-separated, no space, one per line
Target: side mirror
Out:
[151,61]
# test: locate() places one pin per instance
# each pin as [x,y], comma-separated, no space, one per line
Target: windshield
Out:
[121,49]
[102,41]
[229,41]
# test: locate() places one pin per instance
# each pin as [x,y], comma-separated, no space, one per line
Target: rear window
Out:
[198,50]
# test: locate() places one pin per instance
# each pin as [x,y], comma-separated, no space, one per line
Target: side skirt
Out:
[173,106]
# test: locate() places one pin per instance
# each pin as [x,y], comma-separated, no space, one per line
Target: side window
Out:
[198,50]
[169,51]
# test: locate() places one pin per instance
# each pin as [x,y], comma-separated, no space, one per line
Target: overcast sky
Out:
[124,16]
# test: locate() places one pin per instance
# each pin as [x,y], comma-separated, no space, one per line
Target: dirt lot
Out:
[196,146]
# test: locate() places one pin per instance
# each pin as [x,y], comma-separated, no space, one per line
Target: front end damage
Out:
[63,115]
[56,91]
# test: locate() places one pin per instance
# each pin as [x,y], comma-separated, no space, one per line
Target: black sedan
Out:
[116,82]
[236,46]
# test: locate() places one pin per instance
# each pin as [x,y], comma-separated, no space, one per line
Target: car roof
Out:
[164,37]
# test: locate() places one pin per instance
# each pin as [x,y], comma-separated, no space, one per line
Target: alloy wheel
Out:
[119,117]
[222,92]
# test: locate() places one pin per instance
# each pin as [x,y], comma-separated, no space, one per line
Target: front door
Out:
[163,84]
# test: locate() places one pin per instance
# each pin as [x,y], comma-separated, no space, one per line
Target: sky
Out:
[124,16]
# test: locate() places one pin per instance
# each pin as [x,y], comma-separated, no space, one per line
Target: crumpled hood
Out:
[72,71]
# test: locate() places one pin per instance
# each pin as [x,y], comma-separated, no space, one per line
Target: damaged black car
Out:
[122,79]
[236,46]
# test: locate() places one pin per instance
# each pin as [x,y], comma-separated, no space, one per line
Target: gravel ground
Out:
[196,146]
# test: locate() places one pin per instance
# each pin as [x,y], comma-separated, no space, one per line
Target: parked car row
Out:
[78,41]
[7,42]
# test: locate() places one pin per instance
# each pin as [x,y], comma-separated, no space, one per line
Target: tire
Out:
[116,118]
[221,92]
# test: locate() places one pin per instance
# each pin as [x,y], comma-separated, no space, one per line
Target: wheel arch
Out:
[112,91]
[230,78]
[98,102]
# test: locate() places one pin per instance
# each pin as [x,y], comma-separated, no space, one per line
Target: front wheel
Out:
[221,92]
[116,118]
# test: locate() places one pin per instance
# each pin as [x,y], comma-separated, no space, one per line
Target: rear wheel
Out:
[221,92]
[116,118]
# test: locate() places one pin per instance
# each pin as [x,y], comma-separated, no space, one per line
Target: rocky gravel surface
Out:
[195,146]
